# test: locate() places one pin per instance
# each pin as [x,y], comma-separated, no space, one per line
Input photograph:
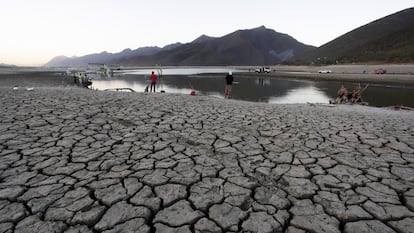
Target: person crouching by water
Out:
[342,95]
[356,95]
[153,79]
[229,82]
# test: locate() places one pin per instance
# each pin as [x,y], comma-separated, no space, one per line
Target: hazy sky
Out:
[35,31]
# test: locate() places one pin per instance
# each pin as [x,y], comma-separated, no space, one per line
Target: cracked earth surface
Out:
[74,160]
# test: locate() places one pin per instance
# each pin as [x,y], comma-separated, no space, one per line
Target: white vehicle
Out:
[263,70]
[325,71]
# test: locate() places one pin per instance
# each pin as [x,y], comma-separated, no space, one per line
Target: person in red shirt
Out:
[153,79]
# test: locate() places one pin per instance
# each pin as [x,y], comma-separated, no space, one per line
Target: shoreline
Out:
[54,78]
[342,77]
[396,74]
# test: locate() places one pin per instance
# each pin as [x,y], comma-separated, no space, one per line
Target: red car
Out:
[380,71]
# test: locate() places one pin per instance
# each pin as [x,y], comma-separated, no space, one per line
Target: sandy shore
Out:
[30,78]
[77,160]
[396,74]
[352,69]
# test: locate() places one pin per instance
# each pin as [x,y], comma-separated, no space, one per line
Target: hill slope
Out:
[389,39]
[259,46]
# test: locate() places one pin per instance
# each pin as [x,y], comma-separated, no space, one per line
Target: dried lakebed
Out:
[74,160]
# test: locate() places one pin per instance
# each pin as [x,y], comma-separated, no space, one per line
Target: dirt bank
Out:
[398,74]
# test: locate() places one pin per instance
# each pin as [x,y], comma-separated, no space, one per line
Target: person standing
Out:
[229,82]
[153,79]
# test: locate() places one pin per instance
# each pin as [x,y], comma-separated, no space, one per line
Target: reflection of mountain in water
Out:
[250,89]
[253,89]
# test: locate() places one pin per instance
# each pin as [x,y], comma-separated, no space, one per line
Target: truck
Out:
[263,70]
[324,71]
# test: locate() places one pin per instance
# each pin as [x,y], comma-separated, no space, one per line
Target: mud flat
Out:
[76,160]
[396,74]
[20,77]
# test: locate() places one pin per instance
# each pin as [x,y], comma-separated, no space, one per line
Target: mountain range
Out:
[388,39]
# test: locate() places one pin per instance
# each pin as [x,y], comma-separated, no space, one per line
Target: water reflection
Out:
[259,89]
[137,86]
[250,89]
[301,95]
[182,71]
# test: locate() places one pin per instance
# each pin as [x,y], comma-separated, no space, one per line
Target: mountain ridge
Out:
[257,46]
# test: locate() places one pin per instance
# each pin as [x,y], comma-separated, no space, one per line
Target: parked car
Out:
[325,71]
[263,70]
[380,71]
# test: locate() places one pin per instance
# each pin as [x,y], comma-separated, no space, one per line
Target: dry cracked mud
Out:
[74,160]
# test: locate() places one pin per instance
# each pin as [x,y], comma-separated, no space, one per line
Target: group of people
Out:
[82,79]
[229,82]
[349,97]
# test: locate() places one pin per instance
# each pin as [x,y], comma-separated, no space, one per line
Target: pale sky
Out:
[35,31]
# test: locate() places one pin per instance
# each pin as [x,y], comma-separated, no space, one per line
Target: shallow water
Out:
[182,71]
[259,89]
